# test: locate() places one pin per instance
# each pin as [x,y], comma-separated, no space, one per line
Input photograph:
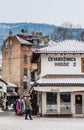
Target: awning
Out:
[59,89]
[11,85]
[60,81]
[12,94]
[1,90]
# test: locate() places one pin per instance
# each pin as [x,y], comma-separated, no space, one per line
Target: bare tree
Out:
[67,25]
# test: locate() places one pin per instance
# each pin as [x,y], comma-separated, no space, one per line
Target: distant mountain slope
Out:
[56,32]
[61,33]
[16,28]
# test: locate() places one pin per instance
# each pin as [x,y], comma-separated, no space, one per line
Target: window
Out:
[6,45]
[51,102]
[1,87]
[10,44]
[25,71]
[25,85]
[33,76]
[82,65]
[51,98]
[65,102]
[65,97]
[35,42]
[25,59]
[25,48]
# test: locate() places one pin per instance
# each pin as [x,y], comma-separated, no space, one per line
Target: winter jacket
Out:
[28,104]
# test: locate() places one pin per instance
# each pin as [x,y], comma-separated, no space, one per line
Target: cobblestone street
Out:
[13,122]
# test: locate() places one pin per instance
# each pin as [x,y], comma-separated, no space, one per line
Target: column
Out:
[58,102]
[72,103]
[43,103]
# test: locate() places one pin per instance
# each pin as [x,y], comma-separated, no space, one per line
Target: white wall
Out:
[4,87]
[51,66]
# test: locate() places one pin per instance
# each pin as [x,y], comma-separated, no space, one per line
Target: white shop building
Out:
[61,83]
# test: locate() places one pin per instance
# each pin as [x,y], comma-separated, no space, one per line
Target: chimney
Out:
[10,33]
[25,32]
[33,34]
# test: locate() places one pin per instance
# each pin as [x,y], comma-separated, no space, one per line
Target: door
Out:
[78,104]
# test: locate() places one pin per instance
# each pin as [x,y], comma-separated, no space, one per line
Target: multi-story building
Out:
[16,61]
[61,78]
[16,58]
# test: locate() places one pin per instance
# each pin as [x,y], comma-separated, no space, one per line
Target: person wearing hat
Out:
[28,108]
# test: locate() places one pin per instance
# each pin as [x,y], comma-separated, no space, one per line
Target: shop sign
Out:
[62,61]
[54,90]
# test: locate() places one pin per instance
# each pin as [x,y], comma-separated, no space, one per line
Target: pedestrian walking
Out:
[28,108]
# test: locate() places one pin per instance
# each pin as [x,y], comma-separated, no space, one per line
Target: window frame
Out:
[25,59]
[24,84]
[10,44]
[51,98]
[82,65]
[25,48]
[25,72]
[6,45]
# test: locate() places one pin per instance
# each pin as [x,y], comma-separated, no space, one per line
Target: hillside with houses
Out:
[54,32]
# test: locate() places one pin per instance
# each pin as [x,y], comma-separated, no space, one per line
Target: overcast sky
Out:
[42,11]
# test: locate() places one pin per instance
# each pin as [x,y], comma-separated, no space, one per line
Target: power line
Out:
[12,58]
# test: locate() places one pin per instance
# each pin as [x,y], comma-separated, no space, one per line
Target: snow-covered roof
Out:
[22,41]
[12,94]
[11,85]
[67,46]
[61,81]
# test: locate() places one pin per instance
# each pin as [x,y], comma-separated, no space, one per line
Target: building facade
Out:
[17,67]
[16,62]
[7,90]
[60,87]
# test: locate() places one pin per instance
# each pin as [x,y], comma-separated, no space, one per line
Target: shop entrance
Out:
[78,104]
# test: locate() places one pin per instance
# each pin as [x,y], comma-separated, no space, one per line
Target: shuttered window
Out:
[82,65]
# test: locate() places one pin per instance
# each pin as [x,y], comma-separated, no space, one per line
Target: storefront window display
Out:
[65,102]
[51,102]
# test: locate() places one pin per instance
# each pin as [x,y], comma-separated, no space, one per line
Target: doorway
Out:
[78,104]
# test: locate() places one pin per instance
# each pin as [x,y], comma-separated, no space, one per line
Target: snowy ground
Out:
[13,122]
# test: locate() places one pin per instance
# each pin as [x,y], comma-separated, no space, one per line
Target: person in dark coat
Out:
[28,108]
